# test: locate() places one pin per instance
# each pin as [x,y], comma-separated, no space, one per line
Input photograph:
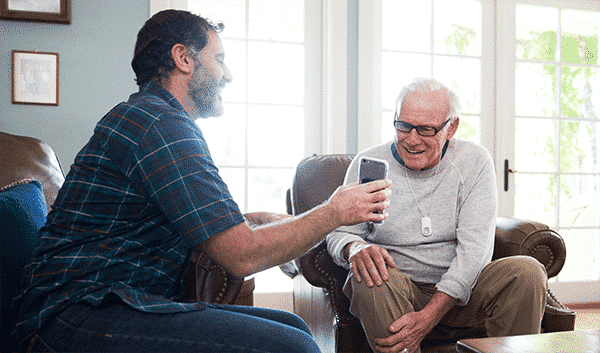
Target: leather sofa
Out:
[30,177]
[317,278]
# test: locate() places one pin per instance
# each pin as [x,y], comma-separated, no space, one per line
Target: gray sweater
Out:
[462,205]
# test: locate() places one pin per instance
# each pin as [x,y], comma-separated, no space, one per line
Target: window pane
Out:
[277,20]
[536,32]
[579,147]
[276,73]
[537,139]
[269,189]
[469,128]
[463,75]
[580,36]
[231,12]
[235,59]
[579,201]
[226,135]
[535,90]
[403,17]
[535,197]
[457,27]
[581,268]
[387,126]
[395,75]
[275,135]
[579,92]
[235,180]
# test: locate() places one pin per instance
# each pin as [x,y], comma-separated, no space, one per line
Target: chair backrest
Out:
[22,214]
[328,170]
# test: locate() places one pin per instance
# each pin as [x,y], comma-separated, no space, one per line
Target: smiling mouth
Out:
[412,152]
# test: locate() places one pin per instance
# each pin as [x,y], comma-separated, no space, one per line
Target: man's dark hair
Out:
[152,56]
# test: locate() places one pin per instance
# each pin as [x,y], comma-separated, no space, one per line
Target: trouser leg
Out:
[116,327]
[509,299]
[378,307]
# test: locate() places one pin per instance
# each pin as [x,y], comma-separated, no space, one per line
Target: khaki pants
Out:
[508,299]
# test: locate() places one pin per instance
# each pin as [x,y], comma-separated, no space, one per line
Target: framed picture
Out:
[34,78]
[55,11]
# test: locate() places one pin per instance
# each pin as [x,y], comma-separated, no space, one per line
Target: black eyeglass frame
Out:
[421,129]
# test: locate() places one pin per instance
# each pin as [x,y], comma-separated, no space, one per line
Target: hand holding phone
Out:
[372,169]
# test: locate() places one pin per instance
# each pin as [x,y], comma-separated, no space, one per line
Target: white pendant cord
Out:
[426,228]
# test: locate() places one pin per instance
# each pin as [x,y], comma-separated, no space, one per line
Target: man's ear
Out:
[182,58]
[453,127]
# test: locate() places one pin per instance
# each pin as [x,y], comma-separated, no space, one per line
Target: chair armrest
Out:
[524,237]
[318,268]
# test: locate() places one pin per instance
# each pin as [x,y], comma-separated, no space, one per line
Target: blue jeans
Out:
[115,327]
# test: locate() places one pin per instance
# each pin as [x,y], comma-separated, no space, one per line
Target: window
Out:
[260,139]
[441,39]
[551,96]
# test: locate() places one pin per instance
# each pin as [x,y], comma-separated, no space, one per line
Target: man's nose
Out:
[227,77]
[413,137]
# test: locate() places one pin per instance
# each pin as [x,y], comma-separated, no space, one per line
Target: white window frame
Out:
[567,292]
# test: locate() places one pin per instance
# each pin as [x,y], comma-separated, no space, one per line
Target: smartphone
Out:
[372,169]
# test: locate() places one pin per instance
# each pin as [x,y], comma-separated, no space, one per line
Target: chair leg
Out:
[351,339]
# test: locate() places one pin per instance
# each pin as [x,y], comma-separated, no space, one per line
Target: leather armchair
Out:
[317,277]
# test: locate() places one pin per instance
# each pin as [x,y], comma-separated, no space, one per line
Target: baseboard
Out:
[592,305]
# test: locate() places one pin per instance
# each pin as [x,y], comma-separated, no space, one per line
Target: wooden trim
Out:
[592,305]
[64,16]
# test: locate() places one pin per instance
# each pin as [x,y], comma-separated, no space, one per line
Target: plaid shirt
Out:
[141,193]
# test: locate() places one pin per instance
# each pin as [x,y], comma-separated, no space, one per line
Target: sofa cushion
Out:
[22,213]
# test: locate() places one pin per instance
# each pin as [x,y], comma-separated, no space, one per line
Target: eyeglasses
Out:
[427,131]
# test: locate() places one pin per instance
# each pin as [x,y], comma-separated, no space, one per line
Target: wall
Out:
[95,52]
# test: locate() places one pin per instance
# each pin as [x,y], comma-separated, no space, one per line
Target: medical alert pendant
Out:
[426,226]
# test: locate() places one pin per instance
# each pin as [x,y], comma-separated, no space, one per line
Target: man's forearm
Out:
[244,251]
[439,305]
[286,240]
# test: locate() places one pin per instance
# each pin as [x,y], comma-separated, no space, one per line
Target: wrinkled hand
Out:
[369,262]
[356,203]
[407,332]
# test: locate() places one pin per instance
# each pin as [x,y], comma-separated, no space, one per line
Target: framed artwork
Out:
[54,11]
[34,77]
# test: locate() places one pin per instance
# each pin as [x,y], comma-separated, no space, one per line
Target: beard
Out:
[204,92]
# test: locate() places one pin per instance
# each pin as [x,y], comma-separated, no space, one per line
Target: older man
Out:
[428,265]
[107,272]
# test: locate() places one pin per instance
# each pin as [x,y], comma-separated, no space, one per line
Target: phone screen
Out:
[372,169]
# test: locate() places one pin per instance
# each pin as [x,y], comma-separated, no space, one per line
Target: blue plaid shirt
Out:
[141,193]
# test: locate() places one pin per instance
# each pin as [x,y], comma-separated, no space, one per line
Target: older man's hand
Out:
[369,262]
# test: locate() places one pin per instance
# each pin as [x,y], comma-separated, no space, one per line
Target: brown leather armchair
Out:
[317,279]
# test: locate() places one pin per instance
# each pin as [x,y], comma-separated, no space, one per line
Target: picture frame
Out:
[34,78]
[51,11]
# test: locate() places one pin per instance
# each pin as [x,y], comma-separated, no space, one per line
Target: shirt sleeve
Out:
[175,170]
[475,233]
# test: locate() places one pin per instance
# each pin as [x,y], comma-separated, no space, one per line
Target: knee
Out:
[397,283]
[529,273]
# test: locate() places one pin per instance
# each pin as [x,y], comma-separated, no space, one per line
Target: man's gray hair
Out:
[425,85]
